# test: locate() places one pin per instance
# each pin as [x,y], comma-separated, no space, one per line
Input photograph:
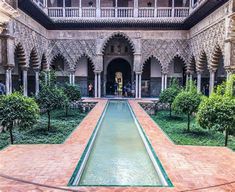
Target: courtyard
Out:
[99,95]
[30,167]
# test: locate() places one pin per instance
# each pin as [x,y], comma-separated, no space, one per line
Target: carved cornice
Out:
[6,13]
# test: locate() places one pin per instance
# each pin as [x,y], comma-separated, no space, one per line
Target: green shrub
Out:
[169,94]
[218,111]
[187,101]
[73,94]
[51,98]
[18,110]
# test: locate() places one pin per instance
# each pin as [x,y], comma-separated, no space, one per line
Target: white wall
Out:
[155,68]
[82,67]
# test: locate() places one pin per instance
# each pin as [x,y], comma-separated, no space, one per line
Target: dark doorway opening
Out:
[121,66]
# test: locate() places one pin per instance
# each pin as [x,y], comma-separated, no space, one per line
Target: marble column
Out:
[136,85]
[165,82]
[36,82]
[212,81]
[73,78]
[7,83]
[140,80]
[96,91]
[70,78]
[99,85]
[25,82]
[199,82]
[162,88]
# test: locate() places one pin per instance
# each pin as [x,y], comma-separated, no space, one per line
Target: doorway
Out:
[118,72]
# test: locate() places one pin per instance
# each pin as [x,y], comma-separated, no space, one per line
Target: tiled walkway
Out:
[188,167]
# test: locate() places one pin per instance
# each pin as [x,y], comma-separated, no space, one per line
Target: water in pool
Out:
[119,156]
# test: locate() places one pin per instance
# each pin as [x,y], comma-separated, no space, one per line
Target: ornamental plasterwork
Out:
[207,40]
[29,39]
[72,50]
[165,51]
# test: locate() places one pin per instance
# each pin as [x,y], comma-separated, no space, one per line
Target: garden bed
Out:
[61,128]
[176,129]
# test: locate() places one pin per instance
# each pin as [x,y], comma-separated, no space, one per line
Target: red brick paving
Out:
[188,167]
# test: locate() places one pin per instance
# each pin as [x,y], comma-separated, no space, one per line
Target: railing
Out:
[120,12]
[107,12]
[146,12]
[125,12]
[55,12]
[71,12]
[88,12]
[164,12]
[181,12]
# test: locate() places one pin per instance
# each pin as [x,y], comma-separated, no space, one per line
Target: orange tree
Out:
[18,110]
[218,111]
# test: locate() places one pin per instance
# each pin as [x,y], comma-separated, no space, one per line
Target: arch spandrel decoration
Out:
[165,50]
[105,42]
[29,39]
[151,57]
[207,40]
[88,58]
[72,50]
[66,66]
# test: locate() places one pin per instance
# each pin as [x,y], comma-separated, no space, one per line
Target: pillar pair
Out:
[72,78]
[138,80]
[212,81]
[97,84]
[25,81]
[164,81]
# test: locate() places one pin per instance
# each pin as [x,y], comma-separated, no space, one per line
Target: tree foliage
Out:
[187,101]
[73,94]
[18,110]
[218,111]
[169,94]
[50,96]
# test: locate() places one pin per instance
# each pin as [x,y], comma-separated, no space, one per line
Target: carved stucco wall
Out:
[30,34]
[209,34]
[72,50]
[163,45]
[165,51]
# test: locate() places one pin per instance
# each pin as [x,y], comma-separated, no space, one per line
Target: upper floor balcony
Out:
[119,9]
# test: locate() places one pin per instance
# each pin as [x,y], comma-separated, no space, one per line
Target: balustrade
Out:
[146,12]
[120,12]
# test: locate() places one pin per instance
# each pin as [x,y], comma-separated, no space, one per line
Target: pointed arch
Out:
[44,63]
[59,63]
[202,62]
[88,58]
[118,34]
[191,67]
[215,58]
[34,59]
[148,59]
[20,55]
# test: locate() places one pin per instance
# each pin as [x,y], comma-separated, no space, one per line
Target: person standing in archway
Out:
[90,90]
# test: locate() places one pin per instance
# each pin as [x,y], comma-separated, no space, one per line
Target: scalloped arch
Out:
[20,55]
[118,34]
[34,59]
[88,58]
[59,55]
[216,54]
[202,62]
[146,60]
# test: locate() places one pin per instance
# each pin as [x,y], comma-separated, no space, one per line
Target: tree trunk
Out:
[49,120]
[11,134]
[170,110]
[66,110]
[226,137]
[188,122]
